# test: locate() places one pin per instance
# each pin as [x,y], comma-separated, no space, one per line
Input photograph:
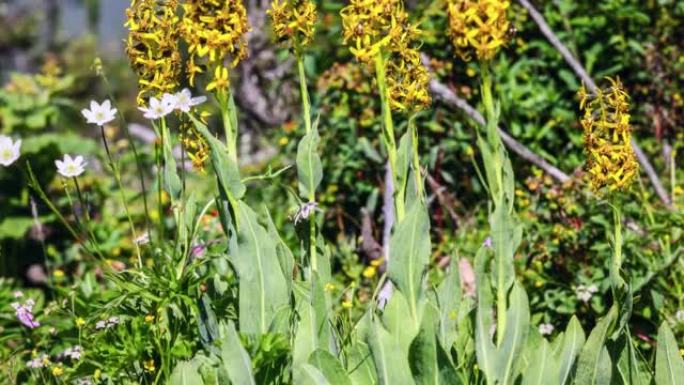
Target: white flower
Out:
[17,294]
[584,293]
[99,114]
[142,239]
[100,325]
[38,362]
[546,329]
[158,108]
[679,315]
[73,352]
[9,150]
[183,100]
[70,167]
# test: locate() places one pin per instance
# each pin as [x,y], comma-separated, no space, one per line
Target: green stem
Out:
[388,134]
[616,263]
[496,192]
[415,156]
[228,127]
[306,110]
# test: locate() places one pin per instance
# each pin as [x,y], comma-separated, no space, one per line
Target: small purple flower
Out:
[24,313]
[197,251]
[38,362]
[487,242]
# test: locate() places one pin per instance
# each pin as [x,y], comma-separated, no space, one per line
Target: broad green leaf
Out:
[628,368]
[391,362]
[543,365]
[449,301]
[186,373]
[669,363]
[360,364]
[309,168]
[235,359]
[285,256]
[395,318]
[330,366]
[506,234]
[429,363]
[593,364]
[517,327]
[15,227]
[572,343]
[486,352]
[310,375]
[263,287]
[410,254]
[313,328]
[225,168]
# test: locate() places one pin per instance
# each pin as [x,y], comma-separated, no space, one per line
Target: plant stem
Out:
[415,157]
[616,263]
[228,127]
[388,134]
[496,191]
[306,110]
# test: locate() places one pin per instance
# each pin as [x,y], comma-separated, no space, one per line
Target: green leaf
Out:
[410,254]
[186,373]
[593,364]
[285,256]
[669,363]
[310,375]
[391,362]
[517,327]
[360,364]
[330,366]
[234,357]
[429,363]
[485,350]
[449,301]
[309,168]
[542,365]
[263,287]
[313,329]
[573,340]
[394,318]
[628,368]
[15,227]
[225,168]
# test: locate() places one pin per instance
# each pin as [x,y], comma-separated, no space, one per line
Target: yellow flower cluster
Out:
[294,21]
[152,46]
[382,28]
[479,26]
[214,30]
[607,137]
[195,146]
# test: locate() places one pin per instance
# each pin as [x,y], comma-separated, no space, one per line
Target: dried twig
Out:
[591,85]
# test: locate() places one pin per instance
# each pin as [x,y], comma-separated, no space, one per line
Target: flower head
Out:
[611,162]
[75,352]
[293,21]
[70,167]
[158,109]
[9,150]
[184,100]
[479,26]
[546,329]
[99,114]
[213,31]
[38,362]
[152,45]
[584,293]
[24,313]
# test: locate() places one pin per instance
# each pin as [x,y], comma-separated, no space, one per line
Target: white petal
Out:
[106,105]
[93,105]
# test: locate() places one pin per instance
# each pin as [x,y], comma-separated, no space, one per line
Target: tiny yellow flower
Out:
[377,262]
[58,273]
[148,365]
[79,322]
[57,371]
[329,287]
[453,314]
[347,304]
[283,141]
[470,72]
[97,374]
[369,272]
[149,318]
[538,283]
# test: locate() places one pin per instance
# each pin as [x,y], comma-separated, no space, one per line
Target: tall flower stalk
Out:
[294,25]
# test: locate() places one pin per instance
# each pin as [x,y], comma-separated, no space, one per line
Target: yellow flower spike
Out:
[611,163]
[478,26]
[293,22]
[214,30]
[152,46]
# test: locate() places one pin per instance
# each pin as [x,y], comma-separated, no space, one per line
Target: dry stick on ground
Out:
[449,97]
[589,82]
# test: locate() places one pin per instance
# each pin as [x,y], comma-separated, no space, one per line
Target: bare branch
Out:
[589,82]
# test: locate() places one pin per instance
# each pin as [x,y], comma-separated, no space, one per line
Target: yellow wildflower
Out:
[149,318]
[148,365]
[195,145]
[97,374]
[369,272]
[79,322]
[347,304]
[611,162]
[58,273]
[221,80]
[329,287]
[57,371]
[214,30]
[293,21]
[152,46]
[478,26]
